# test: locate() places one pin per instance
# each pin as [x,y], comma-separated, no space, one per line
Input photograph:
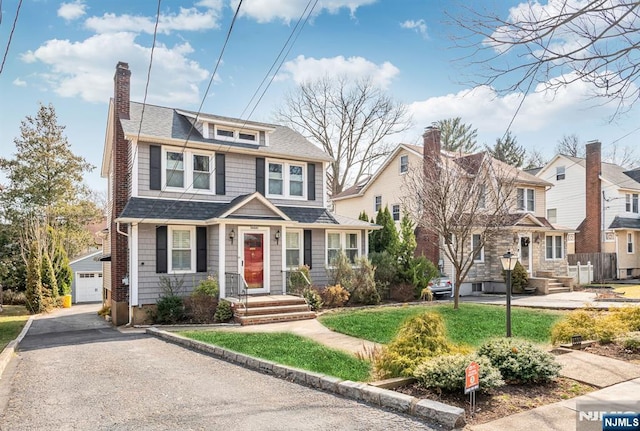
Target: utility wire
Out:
[6,51]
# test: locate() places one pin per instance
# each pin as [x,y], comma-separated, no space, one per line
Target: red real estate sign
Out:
[472,377]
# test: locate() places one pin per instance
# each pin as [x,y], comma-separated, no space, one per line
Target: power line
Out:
[6,51]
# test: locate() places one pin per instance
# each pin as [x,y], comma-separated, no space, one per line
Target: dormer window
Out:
[236,135]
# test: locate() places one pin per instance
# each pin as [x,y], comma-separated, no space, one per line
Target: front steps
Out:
[546,283]
[271,309]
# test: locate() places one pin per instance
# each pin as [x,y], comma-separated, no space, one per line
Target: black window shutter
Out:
[260,176]
[155,167]
[311,182]
[201,249]
[307,247]
[220,174]
[161,249]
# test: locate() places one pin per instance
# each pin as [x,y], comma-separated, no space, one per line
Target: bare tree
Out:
[625,157]
[535,159]
[560,43]
[457,136]
[457,197]
[348,119]
[570,145]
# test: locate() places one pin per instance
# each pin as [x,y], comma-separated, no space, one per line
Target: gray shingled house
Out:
[192,195]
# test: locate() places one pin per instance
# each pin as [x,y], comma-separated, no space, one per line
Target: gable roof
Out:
[360,188]
[473,162]
[167,125]
[610,172]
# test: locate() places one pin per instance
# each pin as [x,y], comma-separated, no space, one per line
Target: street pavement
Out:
[73,371]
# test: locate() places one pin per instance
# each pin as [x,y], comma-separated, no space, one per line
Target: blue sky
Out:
[65,53]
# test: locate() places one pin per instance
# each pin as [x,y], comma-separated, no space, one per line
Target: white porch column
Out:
[222,257]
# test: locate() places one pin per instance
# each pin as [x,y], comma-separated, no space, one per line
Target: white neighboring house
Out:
[618,210]
[87,278]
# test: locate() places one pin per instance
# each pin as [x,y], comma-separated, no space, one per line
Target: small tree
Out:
[363,216]
[508,151]
[49,283]
[385,239]
[34,280]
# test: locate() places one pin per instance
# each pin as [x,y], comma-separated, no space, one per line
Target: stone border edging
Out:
[449,416]
[9,350]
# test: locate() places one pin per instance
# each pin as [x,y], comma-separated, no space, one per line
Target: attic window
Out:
[224,133]
[247,136]
[560,175]
[236,135]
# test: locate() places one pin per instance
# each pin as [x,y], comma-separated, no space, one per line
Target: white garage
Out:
[87,278]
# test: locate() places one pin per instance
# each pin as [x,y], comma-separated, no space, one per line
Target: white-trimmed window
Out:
[629,243]
[395,212]
[482,197]
[187,170]
[237,135]
[477,248]
[560,173]
[377,203]
[554,247]
[293,244]
[526,200]
[631,202]
[404,164]
[182,253]
[349,242]
[286,179]
[552,215]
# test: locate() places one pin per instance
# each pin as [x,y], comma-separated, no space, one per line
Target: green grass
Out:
[12,320]
[289,349]
[471,324]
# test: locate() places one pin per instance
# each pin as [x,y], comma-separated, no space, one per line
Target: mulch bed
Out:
[615,351]
[504,401]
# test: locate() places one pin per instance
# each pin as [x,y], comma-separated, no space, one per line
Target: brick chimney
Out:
[589,239]
[427,240]
[120,190]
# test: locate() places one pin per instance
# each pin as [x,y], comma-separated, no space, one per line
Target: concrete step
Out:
[274,318]
[559,289]
[276,309]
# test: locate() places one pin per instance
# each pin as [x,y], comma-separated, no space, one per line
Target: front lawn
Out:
[12,320]
[471,324]
[628,291]
[291,350]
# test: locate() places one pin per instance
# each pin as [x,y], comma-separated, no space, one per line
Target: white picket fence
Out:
[582,274]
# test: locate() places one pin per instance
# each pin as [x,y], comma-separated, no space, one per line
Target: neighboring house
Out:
[601,201]
[194,194]
[382,189]
[87,278]
[540,245]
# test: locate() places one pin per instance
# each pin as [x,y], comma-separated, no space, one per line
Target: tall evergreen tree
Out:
[49,283]
[385,239]
[456,136]
[363,216]
[507,150]
[33,292]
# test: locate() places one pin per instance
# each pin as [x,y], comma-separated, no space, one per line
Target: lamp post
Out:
[508,264]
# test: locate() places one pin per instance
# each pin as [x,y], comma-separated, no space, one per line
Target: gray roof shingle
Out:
[168,123]
[625,223]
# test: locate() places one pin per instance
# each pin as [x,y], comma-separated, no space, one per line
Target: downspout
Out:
[119,231]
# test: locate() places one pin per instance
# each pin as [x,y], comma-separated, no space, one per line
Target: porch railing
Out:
[296,281]
[236,287]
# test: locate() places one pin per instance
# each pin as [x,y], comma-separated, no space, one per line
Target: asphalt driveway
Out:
[74,371]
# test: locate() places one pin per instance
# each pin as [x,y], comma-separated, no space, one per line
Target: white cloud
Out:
[303,69]
[419,26]
[73,10]
[19,82]
[85,69]
[542,112]
[288,10]
[188,19]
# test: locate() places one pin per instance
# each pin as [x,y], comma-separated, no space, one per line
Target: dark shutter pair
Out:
[155,170]
[261,178]
[162,248]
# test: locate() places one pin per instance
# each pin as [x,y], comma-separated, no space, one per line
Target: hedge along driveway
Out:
[471,324]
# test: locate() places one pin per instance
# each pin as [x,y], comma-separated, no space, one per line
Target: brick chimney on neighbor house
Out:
[428,240]
[589,237]
[120,190]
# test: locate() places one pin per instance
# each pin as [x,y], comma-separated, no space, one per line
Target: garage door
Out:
[88,286]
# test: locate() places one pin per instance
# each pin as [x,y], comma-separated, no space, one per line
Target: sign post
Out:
[472,383]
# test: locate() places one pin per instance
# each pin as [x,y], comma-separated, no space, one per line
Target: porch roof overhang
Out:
[624,223]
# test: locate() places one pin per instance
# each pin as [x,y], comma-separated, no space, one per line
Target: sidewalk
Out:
[560,301]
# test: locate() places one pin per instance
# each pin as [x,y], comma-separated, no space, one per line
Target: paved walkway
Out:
[566,300]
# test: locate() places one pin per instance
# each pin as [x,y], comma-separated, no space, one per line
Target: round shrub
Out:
[629,315]
[169,310]
[419,338]
[611,326]
[334,296]
[313,298]
[224,312]
[447,372]
[578,322]
[631,342]
[520,360]
[208,286]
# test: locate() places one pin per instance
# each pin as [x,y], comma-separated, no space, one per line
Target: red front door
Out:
[254,260]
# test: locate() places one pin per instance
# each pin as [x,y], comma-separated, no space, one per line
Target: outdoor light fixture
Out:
[508,264]
[278,236]
[232,235]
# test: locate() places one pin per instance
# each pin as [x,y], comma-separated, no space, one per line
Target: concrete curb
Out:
[448,416]
[10,349]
